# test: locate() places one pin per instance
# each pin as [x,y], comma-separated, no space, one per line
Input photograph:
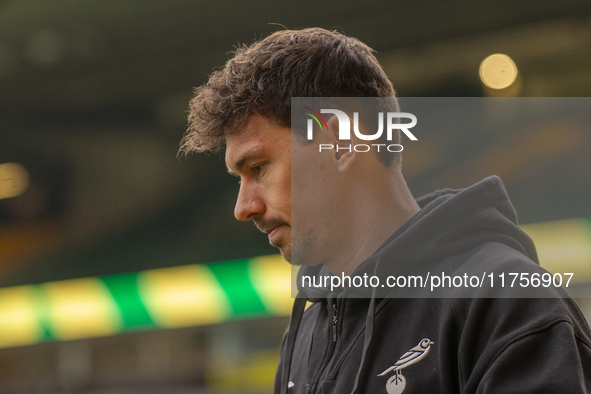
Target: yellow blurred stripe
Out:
[183,296]
[564,246]
[271,278]
[81,308]
[19,325]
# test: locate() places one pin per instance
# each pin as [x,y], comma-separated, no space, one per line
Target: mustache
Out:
[266,225]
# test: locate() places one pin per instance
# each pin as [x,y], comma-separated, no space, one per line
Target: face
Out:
[260,156]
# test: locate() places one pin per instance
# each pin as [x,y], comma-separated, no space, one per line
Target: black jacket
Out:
[366,340]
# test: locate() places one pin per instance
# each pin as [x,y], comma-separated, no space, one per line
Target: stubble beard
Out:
[298,249]
[264,225]
[284,248]
[302,250]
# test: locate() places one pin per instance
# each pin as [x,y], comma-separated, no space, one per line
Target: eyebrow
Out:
[243,158]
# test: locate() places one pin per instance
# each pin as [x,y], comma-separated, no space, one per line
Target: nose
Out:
[249,203]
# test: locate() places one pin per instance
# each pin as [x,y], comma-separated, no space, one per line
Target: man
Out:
[353,215]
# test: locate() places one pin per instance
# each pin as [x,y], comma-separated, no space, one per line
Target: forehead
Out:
[260,136]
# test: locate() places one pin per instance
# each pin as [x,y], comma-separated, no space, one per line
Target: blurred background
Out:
[109,243]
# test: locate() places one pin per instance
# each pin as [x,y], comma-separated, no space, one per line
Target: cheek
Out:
[308,170]
[309,182]
[287,197]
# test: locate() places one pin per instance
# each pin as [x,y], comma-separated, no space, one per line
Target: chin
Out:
[298,258]
[286,253]
[284,249]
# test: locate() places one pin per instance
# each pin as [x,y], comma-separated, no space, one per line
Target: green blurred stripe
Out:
[124,290]
[42,310]
[234,280]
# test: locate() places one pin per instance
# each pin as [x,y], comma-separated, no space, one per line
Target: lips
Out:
[273,231]
[268,225]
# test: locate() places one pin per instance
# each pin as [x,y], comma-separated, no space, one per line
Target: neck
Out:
[379,206]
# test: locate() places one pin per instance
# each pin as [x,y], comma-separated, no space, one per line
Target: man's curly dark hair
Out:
[263,77]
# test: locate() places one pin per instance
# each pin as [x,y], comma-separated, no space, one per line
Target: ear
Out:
[344,154]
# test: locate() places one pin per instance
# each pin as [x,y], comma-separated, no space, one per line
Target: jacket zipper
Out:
[334,310]
[335,317]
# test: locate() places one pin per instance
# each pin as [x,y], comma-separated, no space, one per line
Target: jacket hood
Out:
[450,222]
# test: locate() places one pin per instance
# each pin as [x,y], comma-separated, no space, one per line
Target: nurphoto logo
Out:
[392,120]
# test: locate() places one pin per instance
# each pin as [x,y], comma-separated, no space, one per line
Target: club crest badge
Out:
[397,383]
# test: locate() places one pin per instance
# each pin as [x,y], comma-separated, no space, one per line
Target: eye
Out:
[257,169]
